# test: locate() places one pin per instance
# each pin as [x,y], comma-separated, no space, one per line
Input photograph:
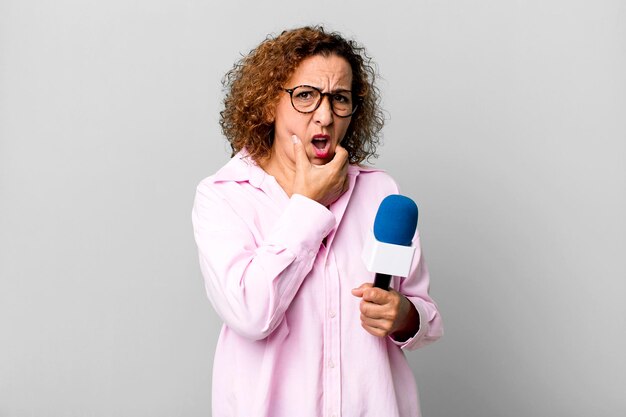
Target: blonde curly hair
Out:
[254,84]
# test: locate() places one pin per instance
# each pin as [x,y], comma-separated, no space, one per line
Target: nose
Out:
[323,115]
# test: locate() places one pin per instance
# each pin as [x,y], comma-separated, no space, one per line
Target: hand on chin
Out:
[321,179]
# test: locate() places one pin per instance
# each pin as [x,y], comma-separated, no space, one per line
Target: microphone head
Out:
[396,220]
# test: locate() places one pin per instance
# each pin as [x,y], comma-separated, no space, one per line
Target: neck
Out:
[282,169]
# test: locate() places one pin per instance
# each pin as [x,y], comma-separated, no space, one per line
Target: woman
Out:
[280,229]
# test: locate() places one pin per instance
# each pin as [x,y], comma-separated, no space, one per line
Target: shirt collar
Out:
[241,168]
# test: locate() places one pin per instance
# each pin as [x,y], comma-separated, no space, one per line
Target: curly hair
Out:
[254,83]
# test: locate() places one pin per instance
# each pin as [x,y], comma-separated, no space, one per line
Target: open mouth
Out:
[321,146]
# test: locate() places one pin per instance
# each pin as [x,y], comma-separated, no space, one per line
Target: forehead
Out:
[327,72]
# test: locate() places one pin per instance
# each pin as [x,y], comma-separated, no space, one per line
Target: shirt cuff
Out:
[412,341]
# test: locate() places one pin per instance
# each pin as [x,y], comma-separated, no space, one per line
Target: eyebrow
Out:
[338,90]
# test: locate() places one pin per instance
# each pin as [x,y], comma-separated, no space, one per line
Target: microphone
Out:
[388,250]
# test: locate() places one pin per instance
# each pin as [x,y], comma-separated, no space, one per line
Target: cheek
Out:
[288,120]
[343,127]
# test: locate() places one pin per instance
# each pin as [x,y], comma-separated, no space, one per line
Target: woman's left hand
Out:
[385,313]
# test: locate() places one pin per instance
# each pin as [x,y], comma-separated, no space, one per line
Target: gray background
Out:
[506,123]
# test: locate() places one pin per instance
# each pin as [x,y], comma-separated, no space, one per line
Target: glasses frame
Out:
[319,102]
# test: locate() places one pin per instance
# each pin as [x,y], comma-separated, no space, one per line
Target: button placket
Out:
[333,337]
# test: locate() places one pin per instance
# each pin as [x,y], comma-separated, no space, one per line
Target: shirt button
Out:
[332,314]
[331,364]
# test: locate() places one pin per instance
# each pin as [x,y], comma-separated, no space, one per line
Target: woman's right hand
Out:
[322,183]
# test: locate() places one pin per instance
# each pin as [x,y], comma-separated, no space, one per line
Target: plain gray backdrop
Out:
[506,123]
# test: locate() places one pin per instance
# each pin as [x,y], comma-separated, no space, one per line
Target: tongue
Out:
[319,144]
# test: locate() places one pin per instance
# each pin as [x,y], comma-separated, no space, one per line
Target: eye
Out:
[341,98]
[305,94]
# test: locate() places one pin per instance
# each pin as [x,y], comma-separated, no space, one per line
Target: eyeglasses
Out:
[306,99]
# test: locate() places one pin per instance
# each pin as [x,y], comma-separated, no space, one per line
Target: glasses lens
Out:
[342,103]
[305,99]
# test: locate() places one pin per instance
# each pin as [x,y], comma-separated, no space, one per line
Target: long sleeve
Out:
[416,288]
[252,279]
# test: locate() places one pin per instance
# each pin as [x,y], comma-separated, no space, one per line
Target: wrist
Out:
[410,324]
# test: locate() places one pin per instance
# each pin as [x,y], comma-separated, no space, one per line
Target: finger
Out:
[358,292]
[300,156]
[340,158]
[382,324]
[376,311]
[376,329]
[340,150]
[377,296]
[375,332]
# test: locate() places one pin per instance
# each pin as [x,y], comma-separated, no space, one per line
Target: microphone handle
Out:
[382,281]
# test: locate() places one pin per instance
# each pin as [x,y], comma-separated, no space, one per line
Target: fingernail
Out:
[294,139]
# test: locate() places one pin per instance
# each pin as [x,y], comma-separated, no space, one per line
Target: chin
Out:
[321,157]
[322,160]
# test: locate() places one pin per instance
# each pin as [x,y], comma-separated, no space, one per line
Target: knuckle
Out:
[364,308]
[394,309]
[390,316]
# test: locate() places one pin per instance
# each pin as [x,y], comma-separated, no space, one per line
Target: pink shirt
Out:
[292,344]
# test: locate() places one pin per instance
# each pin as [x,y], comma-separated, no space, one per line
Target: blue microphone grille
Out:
[396,220]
